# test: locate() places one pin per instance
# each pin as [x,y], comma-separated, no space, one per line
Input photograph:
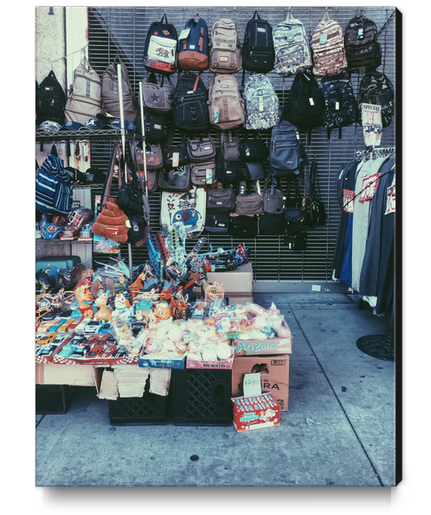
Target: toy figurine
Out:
[86,278]
[137,285]
[122,309]
[162,311]
[143,307]
[104,312]
[120,287]
[84,298]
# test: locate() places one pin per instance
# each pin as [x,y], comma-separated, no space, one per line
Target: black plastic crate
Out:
[146,410]
[52,399]
[201,397]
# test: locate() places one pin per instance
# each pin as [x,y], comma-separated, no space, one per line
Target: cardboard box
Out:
[239,281]
[258,347]
[255,412]
[274,375]
[74,375]
[146,361]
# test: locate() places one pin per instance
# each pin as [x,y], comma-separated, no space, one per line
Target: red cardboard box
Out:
[255,412]
[274,375]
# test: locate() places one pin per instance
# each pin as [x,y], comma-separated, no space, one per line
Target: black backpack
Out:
[50,100]
[306,105]
[340,102]
[376,88]
[363,51]
[161,47]
[258,49]
[286,152]
[190,104]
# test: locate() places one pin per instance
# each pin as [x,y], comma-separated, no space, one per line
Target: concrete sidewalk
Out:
[339,429]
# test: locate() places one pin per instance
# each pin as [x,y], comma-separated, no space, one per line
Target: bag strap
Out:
[164,17]
[110,176]
[256,14]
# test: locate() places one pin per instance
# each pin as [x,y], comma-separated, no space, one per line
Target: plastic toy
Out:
[125,338]
[84,298]
[162,311]
[122,309]
[136,285]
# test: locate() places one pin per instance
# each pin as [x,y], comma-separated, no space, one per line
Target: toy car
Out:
[93,326]
[63,328]
[46,351]
[47,338]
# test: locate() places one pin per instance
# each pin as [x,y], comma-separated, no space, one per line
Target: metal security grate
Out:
[124,29]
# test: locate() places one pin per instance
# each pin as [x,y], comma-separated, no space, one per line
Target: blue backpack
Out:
[53,187]
[193,46]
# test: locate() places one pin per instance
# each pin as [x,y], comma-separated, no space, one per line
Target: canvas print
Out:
[227,318]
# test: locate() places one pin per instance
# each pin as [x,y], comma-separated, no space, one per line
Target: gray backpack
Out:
[110,92]
[225,53]
[262,106]
[225,104]
[292,50]
[85,100]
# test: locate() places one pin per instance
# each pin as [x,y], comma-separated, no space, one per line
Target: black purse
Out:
[130,194]
[252,150]
[175,156]
[243,226]
[316,212]
[216,222]
[272,224]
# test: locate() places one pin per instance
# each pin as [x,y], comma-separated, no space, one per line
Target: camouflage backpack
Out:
[376,88]
[327,45]
[262,106]
[292,51]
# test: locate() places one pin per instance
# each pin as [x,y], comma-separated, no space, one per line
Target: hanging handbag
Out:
[157,97]
[243,226]
[315,212]
[130,194]
[175,155]
[184,208]
[250,204]
[254,171]
[153,156]
[252,150]
[228,172]
[229,146]
[175,179]
[203,174]
[293,211]
[216,222]
[201,150]
[272,197]
[271,224]
[221,199]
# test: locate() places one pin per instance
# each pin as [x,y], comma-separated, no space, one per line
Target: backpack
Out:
[376,88]
[85,100]
[363,52]
[110,92]
[327,45]
[340,102]
[189,105]
[193,51]
[258,48]
[262,106]
[157,97]
[50,100]
[226,106]
[160,50]
[184,208]
[53,187]
[305,106]
[225,52]
[286,153]
[292,50]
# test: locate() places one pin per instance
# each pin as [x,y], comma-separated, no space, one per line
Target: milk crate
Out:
[151,409]
[53,399]
[201,397]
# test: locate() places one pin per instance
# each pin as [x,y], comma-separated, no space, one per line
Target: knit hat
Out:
[112,222]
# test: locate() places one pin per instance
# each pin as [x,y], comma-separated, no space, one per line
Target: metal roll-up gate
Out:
[276,267]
